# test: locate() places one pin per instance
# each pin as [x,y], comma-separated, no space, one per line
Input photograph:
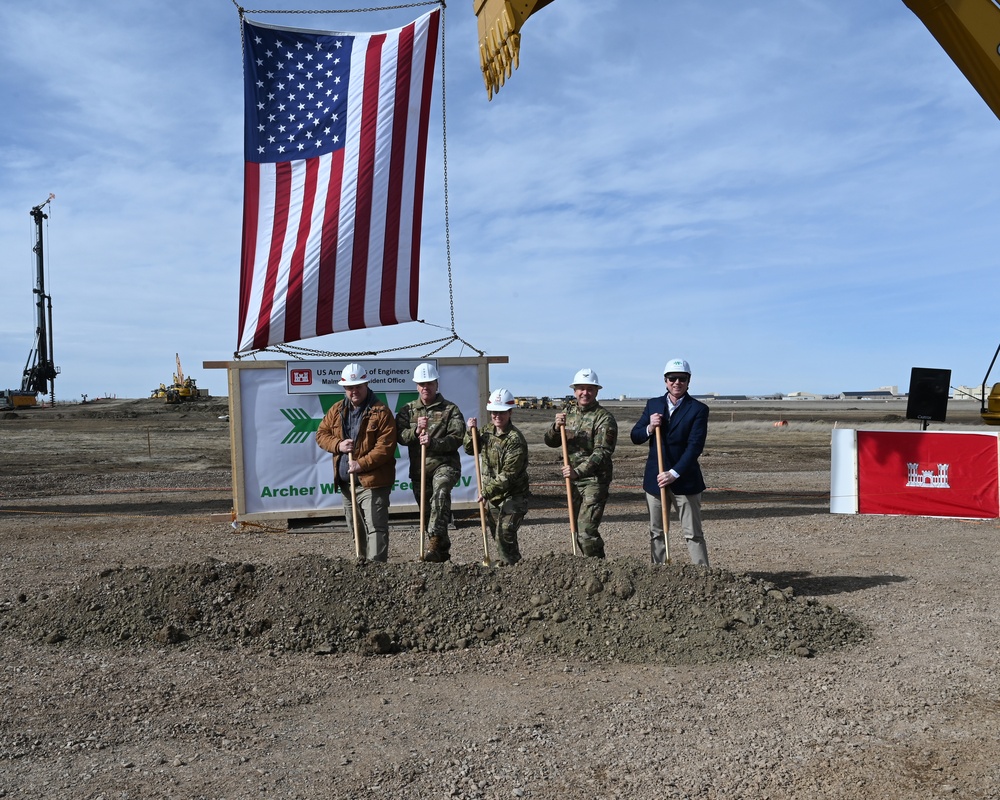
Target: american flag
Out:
[336,139]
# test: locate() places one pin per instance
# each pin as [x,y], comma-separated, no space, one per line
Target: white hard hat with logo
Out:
[586,377]
[500,400]
[677,365]
[353,375]
[425,373]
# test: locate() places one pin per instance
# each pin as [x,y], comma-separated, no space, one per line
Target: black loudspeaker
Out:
[928,397]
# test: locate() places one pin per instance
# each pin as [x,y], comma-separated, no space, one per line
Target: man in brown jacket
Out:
[362,428]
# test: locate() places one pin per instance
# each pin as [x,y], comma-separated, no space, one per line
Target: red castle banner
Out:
[928,474]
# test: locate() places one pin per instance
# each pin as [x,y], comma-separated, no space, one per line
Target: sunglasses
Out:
[676,378]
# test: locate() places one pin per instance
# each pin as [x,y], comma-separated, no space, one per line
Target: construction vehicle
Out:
[967,30]
[989,408]
[545,403]
[40,371]
[183,389]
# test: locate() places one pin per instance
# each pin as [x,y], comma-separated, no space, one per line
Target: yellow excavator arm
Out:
[179,375]
[968,30]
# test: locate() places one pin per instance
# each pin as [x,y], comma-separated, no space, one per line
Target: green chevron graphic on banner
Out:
[303,426]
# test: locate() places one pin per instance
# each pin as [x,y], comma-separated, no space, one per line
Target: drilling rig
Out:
[39,376]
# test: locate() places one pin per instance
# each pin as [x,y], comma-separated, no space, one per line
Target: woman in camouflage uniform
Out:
[503,456]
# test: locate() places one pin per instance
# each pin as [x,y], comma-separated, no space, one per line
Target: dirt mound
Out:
[622,610]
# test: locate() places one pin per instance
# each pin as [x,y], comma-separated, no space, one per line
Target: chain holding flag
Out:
[335,146]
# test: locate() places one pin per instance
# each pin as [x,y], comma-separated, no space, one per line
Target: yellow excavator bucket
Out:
[500,24]
[969,32]
[991,414]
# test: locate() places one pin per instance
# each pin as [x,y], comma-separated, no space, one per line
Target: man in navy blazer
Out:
[684,427]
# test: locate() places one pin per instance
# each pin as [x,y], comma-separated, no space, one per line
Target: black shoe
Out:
[437,556]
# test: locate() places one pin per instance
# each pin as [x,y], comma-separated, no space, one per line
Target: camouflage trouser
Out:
[437,512]
[588,508]
[503,521]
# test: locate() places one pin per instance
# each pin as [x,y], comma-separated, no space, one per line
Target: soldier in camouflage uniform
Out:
[437,423]
[591,434]
[503,456]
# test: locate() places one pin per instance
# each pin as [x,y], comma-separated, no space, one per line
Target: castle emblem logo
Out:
[927,478]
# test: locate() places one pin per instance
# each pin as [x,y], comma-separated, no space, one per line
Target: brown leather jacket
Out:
[374,447]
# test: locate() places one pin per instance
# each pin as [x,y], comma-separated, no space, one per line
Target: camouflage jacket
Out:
[503,459]
[591,437]
[445,426]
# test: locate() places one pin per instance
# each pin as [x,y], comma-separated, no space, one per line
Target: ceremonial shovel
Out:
[423,495]
[569,488]
[479,489]
[354,514]
[664,508]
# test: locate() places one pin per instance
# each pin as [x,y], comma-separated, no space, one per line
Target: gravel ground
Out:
[150,649]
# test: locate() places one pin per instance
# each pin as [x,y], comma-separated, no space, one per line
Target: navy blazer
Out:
[683,440]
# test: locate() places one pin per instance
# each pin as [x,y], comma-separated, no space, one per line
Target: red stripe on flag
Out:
[293,299]
[421,159]
[328,246]
[251,201]
[397,165]
[282,197]
[366,177]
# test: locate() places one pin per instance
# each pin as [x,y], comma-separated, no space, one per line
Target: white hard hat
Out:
[353,375]
[500,400]
[586,377]
[425,373]
[677,365]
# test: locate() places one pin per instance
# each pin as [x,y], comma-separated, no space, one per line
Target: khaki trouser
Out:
[373,520]
[689,511]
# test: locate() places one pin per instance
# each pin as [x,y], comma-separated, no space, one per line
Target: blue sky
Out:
[793,197]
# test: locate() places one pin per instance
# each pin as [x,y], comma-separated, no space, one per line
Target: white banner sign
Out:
[285,471]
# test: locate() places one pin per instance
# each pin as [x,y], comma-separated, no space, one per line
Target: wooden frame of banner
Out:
[238,420]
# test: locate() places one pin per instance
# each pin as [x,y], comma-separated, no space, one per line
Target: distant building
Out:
[724,397]
[877,394]
[969,392]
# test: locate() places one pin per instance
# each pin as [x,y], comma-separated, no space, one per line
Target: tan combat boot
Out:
[436,552]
